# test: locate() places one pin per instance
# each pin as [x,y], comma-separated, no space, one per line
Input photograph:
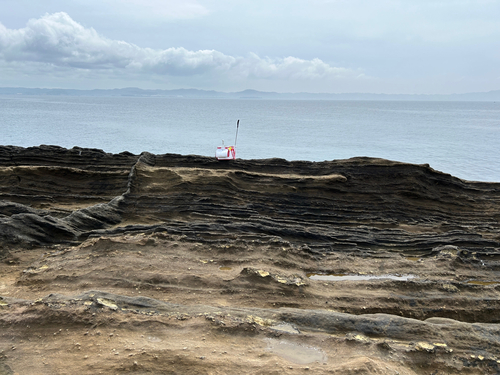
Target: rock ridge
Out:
[355,204]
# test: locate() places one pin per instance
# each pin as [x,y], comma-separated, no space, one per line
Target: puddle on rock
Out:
[483,283]
[296,353]
[225,268]
[154,339]
[345,277]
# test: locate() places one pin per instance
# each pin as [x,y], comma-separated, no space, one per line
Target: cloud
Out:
[57,42]
[290,68]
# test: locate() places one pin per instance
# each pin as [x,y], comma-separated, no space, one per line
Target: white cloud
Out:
[290,68]
[56,41]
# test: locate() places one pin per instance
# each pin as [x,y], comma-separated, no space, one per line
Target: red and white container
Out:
[227,152]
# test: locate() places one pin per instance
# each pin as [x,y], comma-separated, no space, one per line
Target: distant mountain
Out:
[128,91]
[250,94]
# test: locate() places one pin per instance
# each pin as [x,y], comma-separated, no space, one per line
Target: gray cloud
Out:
[57,41]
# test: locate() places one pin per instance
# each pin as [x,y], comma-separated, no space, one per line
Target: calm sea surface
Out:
[460,138]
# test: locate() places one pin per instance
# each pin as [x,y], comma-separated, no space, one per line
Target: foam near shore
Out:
[206,257]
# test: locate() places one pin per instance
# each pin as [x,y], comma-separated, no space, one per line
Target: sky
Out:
[323,46]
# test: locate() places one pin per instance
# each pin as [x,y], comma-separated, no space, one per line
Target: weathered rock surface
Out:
[164,249]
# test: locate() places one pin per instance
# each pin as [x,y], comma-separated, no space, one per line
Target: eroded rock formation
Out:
[226,250]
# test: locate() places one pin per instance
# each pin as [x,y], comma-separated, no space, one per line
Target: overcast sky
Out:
[336,46]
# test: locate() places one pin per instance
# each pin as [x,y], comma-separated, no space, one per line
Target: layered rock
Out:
[249,255]
[360,204]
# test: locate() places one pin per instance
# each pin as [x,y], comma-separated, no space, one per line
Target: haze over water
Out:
[460,138]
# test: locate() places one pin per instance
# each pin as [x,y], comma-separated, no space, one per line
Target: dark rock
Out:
[361,204]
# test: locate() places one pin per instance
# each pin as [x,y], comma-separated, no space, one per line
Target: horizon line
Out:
[243,91]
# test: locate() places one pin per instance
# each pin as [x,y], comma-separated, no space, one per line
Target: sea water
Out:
[459,138]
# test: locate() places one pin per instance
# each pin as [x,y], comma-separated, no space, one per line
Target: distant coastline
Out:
[490,96]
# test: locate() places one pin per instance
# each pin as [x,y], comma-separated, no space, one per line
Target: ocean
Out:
[459,138]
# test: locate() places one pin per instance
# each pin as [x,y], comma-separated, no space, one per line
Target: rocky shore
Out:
[122,263]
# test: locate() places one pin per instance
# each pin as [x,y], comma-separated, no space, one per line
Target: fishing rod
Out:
[237,127]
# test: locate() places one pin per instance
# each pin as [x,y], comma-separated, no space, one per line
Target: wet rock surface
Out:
[182,264]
